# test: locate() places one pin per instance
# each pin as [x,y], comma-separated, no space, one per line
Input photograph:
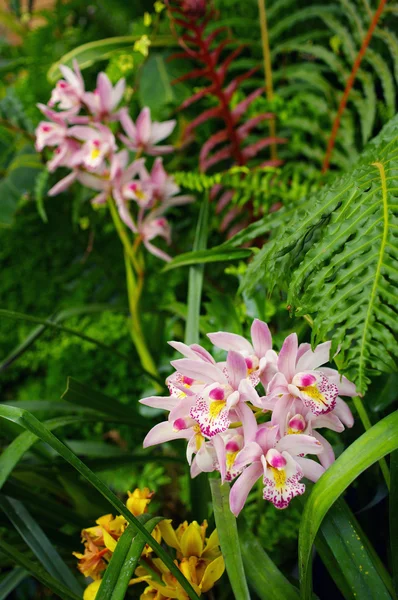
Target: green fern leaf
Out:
[340,247]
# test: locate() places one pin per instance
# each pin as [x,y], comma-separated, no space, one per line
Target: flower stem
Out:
[363,415]
[135,283]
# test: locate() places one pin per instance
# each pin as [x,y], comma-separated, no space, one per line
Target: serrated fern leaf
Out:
[339,250]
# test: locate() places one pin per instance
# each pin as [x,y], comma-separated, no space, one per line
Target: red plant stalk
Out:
[350,83]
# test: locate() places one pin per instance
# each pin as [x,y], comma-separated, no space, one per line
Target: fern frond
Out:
[340,247]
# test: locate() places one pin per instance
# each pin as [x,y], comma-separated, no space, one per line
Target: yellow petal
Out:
[103,521]
[212,573]
[212,544]
[109,542]
[91,591]
[191,541]
[168,534]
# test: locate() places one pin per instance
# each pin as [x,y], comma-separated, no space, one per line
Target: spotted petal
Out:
[282,484]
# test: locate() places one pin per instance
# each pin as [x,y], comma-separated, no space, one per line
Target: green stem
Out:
[135,283]
[363,415]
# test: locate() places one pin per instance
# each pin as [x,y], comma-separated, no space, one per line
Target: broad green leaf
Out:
[155,89]
[208,256]
[229,539]
[92,52]
[82,395]
[199,489]
[338,252]
[38,542]
[38,572]
[394,517]
[11,581]
[124,561]
[262,574]
[358,571]
[27,420]
[375,443]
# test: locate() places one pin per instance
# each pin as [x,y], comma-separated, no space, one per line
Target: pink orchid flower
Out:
[180,426]
[105,98]
[145,134]
[281,464]
[260,358]
[151,227]
[68,92]
[300,376]
[98,144]
[50,133]
[223,395]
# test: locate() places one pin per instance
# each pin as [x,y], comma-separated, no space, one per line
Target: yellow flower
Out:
[190,540]
[91,590]
[138,501]
[199,559]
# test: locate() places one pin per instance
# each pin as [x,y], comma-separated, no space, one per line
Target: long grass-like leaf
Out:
[380,440]
[21,444]
[38,572]
[394,517]
[124,561]
[11,581]
[82,395]
[27,420]
[38,542]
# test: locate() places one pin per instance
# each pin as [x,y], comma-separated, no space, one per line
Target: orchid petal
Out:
[200,371]
[343,411]
[326,457]
[164,432]
[242,486]
[311,469]
[250,453]
[160,131]
[287,356]
[63,184]
[249,423]
[299,444]
[163,402]
[313,359]
[261,337]
[143,126]
[230,341]
[236,367]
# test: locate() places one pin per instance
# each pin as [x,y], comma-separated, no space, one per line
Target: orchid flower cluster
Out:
[246,436]
[82,133]
[198,557]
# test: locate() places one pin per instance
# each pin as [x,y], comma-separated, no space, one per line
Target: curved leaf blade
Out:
[124,561]
[201,257]
[263,575]
[38,542]
[28,421]
[11,581]
[92,52]
[229,539]
[38,572]
[375,443]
